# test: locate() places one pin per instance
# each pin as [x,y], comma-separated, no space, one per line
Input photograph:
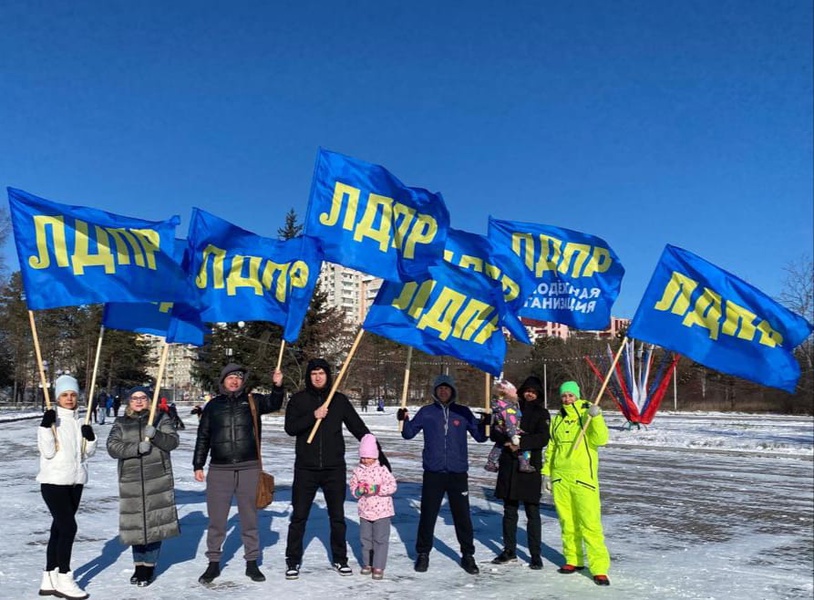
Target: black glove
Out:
[49,417]
[87,433]
[484,419]
[401,414]
[382,458]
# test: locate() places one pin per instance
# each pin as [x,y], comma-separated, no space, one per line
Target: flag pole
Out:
[280,356]
[95,371]
[91,405]
[488,405]
[406,383]
[599,395]
[336,383]
[43,381]
[157,391]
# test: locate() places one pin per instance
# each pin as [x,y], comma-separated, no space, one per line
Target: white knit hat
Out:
[65,383]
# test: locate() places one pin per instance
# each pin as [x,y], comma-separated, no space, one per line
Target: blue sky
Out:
[644,123]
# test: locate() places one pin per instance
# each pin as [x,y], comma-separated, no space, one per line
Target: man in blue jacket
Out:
[446,462]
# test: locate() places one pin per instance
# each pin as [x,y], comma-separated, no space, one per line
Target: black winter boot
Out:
[422,562]
[469,565]
[252,572]
[137,574]
[212,572]
[147,576]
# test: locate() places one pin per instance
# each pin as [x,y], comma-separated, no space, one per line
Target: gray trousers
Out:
[221,486]
[375,538]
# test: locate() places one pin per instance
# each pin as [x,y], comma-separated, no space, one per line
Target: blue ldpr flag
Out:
[73,255]
[366,219]
[697,309]
[479,255]
[450,313]
[577,275]
[178,322]
[245,277]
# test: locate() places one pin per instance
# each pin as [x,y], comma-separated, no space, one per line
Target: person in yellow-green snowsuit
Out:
[572,479]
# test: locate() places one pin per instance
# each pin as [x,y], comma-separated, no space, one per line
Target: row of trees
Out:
[68,339]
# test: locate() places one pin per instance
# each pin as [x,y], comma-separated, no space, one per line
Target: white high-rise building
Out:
[349,290]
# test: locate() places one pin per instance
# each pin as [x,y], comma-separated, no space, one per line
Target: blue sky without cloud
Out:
[644,123]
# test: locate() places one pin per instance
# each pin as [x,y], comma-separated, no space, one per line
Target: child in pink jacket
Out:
[373,485]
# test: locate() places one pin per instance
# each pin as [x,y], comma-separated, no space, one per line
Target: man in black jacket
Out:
[320,464]
[226,434]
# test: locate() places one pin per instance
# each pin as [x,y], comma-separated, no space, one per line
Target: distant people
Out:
[101,407]
[109,406]
[163,405]
[64,445]
[226,436]
[373,486]
[380,405]
[175,418]
[571,477]
[506,416]
[514,484]
[147,511]
[117,403]
[364,403]
[446,463]
[320,465]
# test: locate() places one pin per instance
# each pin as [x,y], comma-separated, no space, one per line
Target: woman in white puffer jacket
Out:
[65,445]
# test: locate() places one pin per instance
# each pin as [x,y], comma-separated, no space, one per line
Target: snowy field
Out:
[699,505]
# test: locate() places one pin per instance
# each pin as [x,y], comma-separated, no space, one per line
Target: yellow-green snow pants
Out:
[579,512]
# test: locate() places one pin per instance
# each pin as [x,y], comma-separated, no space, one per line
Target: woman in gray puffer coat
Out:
[147,512]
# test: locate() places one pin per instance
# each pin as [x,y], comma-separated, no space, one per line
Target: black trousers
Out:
[456,487]
[63,502]
[303,490]
[533,526]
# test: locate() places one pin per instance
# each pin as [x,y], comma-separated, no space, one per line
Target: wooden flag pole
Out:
[336,383]
[91,406]
[406,383]
[487,389]
[95,371]
[599,395]
[43,381]
[157,391]
[280,357]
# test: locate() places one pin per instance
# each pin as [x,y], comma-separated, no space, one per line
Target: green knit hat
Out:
[570,387]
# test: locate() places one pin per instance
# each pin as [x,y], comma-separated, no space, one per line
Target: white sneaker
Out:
[65,587]
[47,585]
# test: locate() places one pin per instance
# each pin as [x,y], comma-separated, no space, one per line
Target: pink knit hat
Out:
[368,447]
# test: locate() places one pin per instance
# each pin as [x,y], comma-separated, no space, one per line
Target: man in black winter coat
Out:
[515,486]
[226,435]
[320,464]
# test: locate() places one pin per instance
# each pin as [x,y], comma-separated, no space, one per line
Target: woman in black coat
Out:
[514,486]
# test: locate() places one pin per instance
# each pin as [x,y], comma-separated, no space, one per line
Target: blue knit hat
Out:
[139,388]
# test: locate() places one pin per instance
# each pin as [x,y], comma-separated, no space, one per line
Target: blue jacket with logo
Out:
[445,429]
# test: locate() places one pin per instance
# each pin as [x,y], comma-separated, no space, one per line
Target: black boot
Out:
[212,571]
[252,572]
[469,565]
[147,576]
[422,562]
[138,574]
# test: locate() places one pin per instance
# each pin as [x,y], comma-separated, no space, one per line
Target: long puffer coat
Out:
[147,511]
[512,484]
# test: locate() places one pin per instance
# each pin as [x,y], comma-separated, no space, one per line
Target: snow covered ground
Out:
[699,505]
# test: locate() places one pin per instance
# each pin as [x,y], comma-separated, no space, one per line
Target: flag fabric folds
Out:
[697,309]
[450,313]
[178,322]
[366,219]
[476,253]
[245,277]
[72,255]
[577,275]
